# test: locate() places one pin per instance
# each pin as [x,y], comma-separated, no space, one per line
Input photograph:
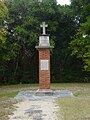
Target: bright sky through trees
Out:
[63,2]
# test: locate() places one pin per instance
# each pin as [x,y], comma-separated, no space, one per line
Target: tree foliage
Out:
[19,31]
[3,26]
[4,55]
[81,44]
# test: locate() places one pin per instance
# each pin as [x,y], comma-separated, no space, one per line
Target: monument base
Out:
[44,92]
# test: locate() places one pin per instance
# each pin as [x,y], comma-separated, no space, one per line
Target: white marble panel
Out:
[44,64]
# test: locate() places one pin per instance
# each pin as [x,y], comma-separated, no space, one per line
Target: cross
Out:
[43,25]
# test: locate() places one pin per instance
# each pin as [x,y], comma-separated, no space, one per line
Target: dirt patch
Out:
[6,107]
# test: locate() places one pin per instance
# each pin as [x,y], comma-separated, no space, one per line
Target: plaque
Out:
[44,64]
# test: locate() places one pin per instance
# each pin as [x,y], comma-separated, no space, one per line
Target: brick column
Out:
[44,75]
[44,59]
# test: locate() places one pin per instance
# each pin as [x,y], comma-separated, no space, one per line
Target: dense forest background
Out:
[69,29]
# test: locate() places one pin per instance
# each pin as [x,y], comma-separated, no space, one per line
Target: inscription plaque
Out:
[44,64]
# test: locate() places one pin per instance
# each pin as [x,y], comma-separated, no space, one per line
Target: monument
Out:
[44,58]
[44,92]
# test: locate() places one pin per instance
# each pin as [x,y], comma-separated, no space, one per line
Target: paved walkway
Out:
[38,107]
[35,110]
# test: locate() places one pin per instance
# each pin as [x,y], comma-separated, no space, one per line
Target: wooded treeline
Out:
[69,29]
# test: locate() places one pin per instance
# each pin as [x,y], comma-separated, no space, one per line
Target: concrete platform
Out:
[43,94]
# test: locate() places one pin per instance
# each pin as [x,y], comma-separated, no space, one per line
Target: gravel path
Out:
[39,107]
[35,110]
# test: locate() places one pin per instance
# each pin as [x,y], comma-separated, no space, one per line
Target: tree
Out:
[3,26]
[81,45]
[19,56]
[4,56]
[65,67]
[23,31]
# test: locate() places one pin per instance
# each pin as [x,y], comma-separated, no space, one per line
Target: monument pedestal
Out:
[44,67]
[44,92]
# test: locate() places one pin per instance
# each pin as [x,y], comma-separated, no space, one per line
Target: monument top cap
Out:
[43,25]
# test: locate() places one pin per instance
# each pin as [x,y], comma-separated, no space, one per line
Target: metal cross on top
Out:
[43,25]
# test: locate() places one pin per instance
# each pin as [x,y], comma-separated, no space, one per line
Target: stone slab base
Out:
[43,92]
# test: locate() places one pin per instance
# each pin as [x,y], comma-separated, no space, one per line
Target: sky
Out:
[63,2]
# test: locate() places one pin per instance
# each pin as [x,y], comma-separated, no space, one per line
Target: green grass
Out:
[76,108]
[19,86]
[16,88]
[12,94]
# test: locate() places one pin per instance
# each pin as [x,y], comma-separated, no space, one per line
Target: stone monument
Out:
[44,59]
[44,92]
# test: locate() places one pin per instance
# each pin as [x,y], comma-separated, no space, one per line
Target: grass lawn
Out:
[76,108]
